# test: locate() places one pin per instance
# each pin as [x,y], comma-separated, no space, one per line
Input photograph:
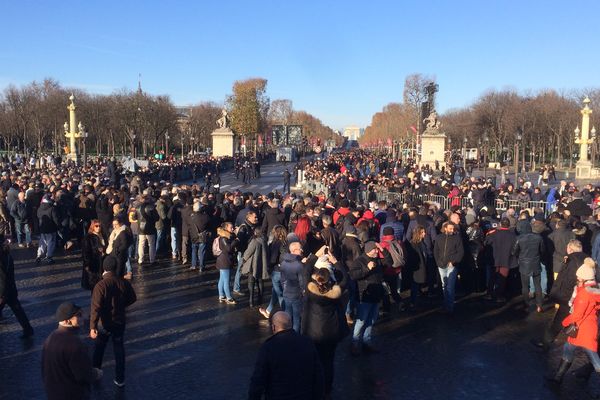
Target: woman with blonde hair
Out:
[225,244]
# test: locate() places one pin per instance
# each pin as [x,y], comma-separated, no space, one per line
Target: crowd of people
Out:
[332,258]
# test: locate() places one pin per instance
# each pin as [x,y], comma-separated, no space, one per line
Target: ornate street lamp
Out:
[518,138]
[465,152]
[166,144]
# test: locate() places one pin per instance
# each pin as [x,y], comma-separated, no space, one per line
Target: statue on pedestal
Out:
[223,122]
[432,124]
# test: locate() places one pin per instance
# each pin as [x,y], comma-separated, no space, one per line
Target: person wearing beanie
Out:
[67,369]
[584,306]
[110,297]
[48,222]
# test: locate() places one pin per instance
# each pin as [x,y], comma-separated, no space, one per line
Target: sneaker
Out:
[50,261]
[264,312]
[192,268]
[231,301]
[38,260]
[21,245]
[184,261]
[238,293]
[349,319]
[222,299]
[119,384]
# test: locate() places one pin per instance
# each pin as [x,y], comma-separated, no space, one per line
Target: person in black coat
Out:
[529,248]
[562,291]
[273,217]
[367,271]
[323,320]
[415,268]
[500,242]
[8,289]
[199,235]
[92,252]
[448,252]
[118,245]
[67,369]
[287,366]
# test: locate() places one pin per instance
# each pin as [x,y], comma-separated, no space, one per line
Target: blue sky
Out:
[339,60]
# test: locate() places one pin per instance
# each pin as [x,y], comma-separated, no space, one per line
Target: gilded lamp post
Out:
[71,133]
[583,168]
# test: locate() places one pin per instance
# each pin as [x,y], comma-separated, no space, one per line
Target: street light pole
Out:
[465,152]
[516,157]
[485,151]
[167,144]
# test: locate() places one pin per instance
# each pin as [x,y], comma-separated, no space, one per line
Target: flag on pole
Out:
[413,128]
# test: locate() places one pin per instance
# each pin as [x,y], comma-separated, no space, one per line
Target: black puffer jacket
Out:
[529,249]
[501,242]
[323,319]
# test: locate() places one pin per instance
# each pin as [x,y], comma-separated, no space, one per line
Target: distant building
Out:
[353,132]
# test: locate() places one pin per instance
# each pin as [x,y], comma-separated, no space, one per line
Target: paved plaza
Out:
[182,344]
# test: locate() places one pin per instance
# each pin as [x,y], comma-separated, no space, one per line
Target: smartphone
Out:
[326,250]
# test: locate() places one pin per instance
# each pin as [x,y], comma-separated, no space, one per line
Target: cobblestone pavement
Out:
[182,344]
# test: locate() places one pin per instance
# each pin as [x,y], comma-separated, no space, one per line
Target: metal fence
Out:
[442,202]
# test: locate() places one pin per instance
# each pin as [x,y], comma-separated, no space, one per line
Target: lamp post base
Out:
[583,170]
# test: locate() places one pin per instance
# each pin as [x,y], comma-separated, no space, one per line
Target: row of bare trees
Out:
[544,121]
[134,122]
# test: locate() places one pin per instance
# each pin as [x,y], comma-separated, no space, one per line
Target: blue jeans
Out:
[544,281]
[367,315]
[46,244]
[198,250]
[448,277]
[352,297]
[276,291]
[132,252]
[223,285]
[175,241]
[569,355]
[160,237]
[294,308]
[238,274]
[23,228]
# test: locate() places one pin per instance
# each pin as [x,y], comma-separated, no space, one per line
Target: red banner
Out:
[413,128]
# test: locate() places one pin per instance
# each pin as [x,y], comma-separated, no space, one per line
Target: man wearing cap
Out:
[367,271]
[48,222]
[66,365]
[107,317]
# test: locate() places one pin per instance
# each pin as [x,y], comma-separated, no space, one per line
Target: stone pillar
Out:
[583,168]
[223,142]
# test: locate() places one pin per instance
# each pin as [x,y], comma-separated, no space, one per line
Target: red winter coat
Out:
[585,315]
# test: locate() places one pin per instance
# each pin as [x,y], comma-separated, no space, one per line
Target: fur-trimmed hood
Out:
[334,293]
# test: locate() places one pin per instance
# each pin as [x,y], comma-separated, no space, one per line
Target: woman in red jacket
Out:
[584,313]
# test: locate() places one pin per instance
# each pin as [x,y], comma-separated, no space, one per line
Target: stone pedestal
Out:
[433,149]
[223,142]
[583,170]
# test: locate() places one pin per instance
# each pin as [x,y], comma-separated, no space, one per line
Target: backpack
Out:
[339,224]
[397,254]
[216,247]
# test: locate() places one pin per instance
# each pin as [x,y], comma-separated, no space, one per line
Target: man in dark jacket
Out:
[562,291]
[147,218]
[118,247]
[107,317]
[287,366]
[22,216]
[286,181]
[529,248]
[66,366]
[501,242]
[8,289]
[48,223]
[163,224]
[175,218]
[448,252]
[559,238]
[244,233]
[186,219]
[273,217]
[293,278]
[367,271]
[199,235]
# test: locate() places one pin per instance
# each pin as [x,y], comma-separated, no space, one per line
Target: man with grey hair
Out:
[293,278]
[562,290]
[287,366]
